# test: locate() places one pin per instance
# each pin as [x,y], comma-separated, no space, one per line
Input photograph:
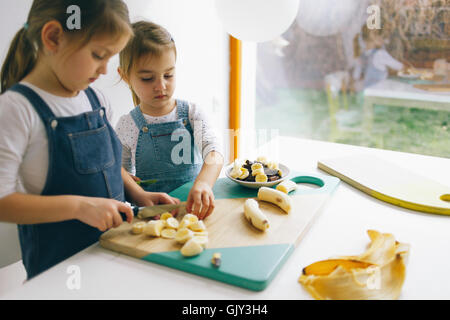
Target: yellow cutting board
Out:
[250,257]
[391,183]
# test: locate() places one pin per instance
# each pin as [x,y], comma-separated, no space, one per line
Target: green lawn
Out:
[305,113]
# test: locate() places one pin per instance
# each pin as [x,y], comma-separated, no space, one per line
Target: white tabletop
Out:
[396,89]
[339,230]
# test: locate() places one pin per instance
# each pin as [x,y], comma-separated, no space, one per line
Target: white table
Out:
[397,93]
[339,230]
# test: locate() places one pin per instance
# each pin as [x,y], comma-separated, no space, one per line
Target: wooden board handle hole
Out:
[309,182]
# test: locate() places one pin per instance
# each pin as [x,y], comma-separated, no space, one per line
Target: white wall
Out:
[202,66]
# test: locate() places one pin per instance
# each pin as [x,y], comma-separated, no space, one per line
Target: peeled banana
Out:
[261,178]
[276,197]
[171,223]
[183,235]
[168,233]
[378,273]
[287,186]
[153,228]
[253,214]
[138,227]
[191,248]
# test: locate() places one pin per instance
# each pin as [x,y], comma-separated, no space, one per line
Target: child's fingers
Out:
[189,203]
[166,199]
[206,202]
[211,207]
[197,203]
[126,209]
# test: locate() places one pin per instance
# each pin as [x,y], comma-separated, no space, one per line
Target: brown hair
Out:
[149,38]
[98,17]
[366,35]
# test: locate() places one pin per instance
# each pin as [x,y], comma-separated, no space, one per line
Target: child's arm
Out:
[201,198]
[140,197]
[99,213]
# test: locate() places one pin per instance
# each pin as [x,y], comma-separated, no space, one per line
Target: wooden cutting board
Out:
[391,183]
[250,258]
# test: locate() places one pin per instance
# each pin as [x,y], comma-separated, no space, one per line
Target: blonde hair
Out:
[98,17]
[149,38]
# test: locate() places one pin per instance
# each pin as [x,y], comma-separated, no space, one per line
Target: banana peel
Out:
[377,274]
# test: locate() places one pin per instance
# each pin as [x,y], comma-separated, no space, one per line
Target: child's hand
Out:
[200,200]
[135,178]
[102,213]
[145,199]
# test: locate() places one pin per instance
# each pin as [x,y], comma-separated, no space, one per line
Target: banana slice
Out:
[168,233]
[276,197]
[287,186]
[153,228]
[253,214]
[183,235]
[262,159]
[201,233]
[257,165]
[272,165]
[165,216]
[202,240]
[197,226]
[138,227]
[191,248]
[244,173]
[261,178]
[257,171]
[172,223]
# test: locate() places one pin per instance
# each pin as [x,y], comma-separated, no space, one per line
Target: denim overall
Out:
[166,152]
[372,75]
[84,159]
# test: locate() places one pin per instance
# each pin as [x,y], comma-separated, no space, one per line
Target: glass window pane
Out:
[368,73]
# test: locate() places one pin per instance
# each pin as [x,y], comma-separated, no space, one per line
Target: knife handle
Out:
[135,212]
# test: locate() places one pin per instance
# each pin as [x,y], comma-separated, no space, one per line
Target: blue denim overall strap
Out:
[84,159]
[372,75]
[166,152]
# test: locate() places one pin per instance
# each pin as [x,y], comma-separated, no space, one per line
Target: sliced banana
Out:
[202,240]
[138,227]
[272,165]
[262,159]
[261,178]
[287,186]
[172,223]
[191,248]
[257,165]
[168,233]
[276,197]
[201,233]
[153,228]
[190,217]
[244,173]
[197,226]
[183,235]
[257,171]
[256,217]
[165,216]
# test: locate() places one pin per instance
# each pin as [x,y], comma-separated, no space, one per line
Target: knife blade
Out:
[151,211]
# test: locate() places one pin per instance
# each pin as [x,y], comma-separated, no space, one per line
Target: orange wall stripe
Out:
[235,96]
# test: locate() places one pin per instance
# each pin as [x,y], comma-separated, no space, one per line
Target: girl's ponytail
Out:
[19,60]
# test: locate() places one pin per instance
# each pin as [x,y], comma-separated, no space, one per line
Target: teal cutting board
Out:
[250,258]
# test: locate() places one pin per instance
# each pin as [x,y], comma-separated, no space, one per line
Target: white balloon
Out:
[326,17]
[256,20]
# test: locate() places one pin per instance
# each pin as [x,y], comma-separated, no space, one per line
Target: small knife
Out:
[151,211]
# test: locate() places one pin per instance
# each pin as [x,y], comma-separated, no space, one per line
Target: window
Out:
[387,87]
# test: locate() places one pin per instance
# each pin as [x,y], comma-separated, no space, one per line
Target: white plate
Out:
[255,185]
